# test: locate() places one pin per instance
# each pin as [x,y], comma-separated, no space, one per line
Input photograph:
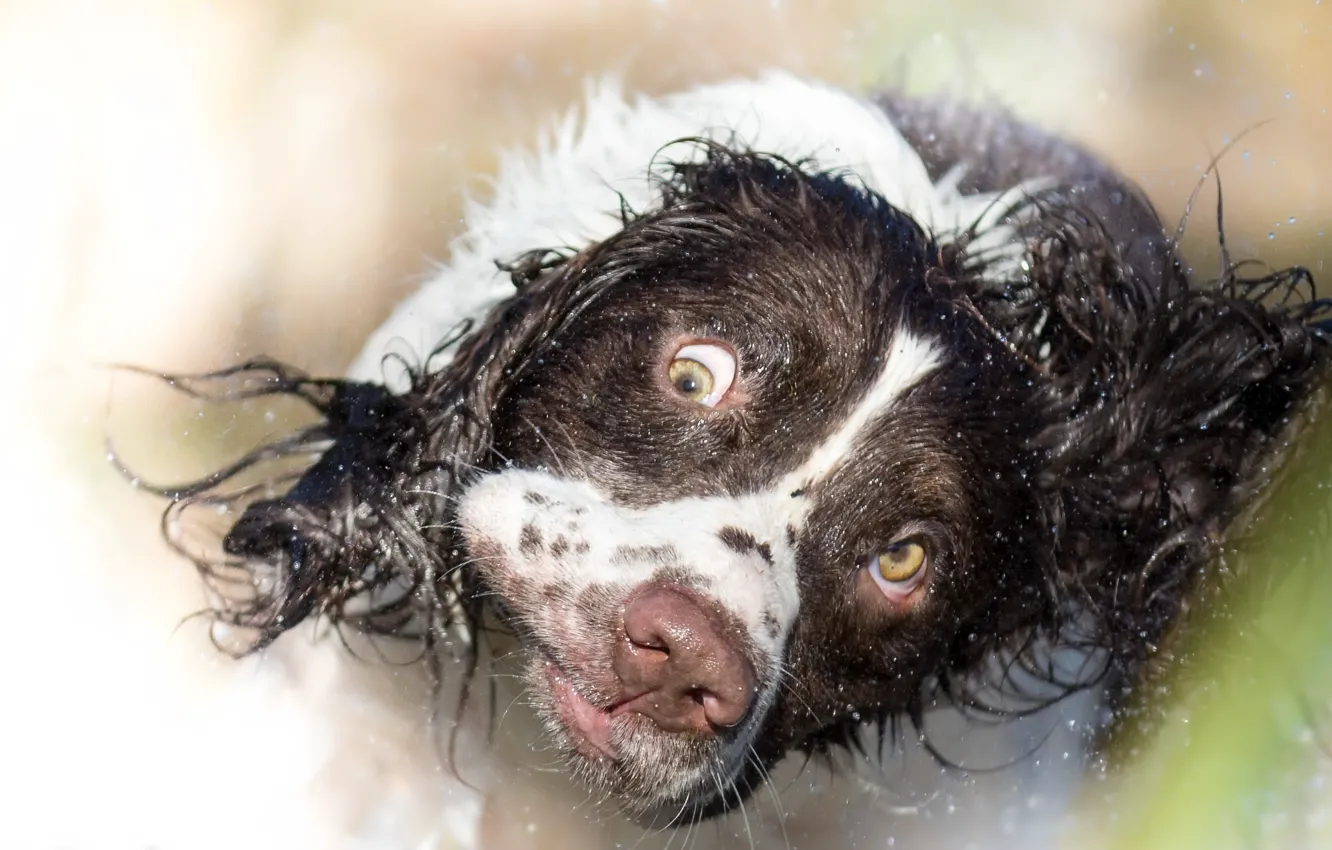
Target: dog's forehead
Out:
[800,419]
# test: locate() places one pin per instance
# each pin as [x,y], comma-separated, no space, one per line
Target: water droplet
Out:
[1270,236]
[1244,155]
[1290,220]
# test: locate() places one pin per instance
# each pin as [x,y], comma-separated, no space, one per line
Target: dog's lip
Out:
[589,725]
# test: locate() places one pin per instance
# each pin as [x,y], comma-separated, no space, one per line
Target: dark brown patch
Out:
[581,547]
[737,539]
[765,552]
[559,546]
[534,498]
[529,541]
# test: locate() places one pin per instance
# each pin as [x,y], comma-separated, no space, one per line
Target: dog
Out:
[765,419]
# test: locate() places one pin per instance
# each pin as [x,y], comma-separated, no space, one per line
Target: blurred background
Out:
[185,183]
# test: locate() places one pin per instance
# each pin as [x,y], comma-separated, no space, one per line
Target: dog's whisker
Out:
[554,455]
[570,442]
[765,777]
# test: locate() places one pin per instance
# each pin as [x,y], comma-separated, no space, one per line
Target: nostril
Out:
[728,703]
[652,644]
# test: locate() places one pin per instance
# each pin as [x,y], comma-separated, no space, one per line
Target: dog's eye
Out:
[899,568]
[702,373]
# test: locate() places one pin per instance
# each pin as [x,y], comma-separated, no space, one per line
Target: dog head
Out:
[774,462]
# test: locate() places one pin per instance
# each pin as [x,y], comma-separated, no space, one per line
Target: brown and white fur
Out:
[932,333]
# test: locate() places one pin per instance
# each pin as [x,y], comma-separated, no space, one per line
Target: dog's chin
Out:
[649,775]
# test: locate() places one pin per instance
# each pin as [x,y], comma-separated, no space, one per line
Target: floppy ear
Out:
[1158,400]
[362,536]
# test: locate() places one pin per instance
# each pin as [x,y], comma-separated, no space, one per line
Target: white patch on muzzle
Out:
[559,533]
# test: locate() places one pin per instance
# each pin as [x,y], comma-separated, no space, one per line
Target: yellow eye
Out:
[702,372]
[691,379]
[900,563]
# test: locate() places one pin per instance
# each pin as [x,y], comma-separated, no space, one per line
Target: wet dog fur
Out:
[948,328]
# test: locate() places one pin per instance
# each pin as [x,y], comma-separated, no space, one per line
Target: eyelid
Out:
[717,359]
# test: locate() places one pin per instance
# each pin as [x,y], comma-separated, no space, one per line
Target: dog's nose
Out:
[681,661]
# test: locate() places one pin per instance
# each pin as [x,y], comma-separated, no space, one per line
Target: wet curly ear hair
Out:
[357,537]
[1165,402]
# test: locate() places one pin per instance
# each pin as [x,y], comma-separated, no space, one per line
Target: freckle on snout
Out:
[559,546]
[737,539]
[529,541]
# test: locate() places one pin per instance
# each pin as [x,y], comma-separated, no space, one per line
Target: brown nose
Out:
[680,663]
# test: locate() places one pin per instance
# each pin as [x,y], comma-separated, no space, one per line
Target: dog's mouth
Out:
[611,744]
[588,726]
